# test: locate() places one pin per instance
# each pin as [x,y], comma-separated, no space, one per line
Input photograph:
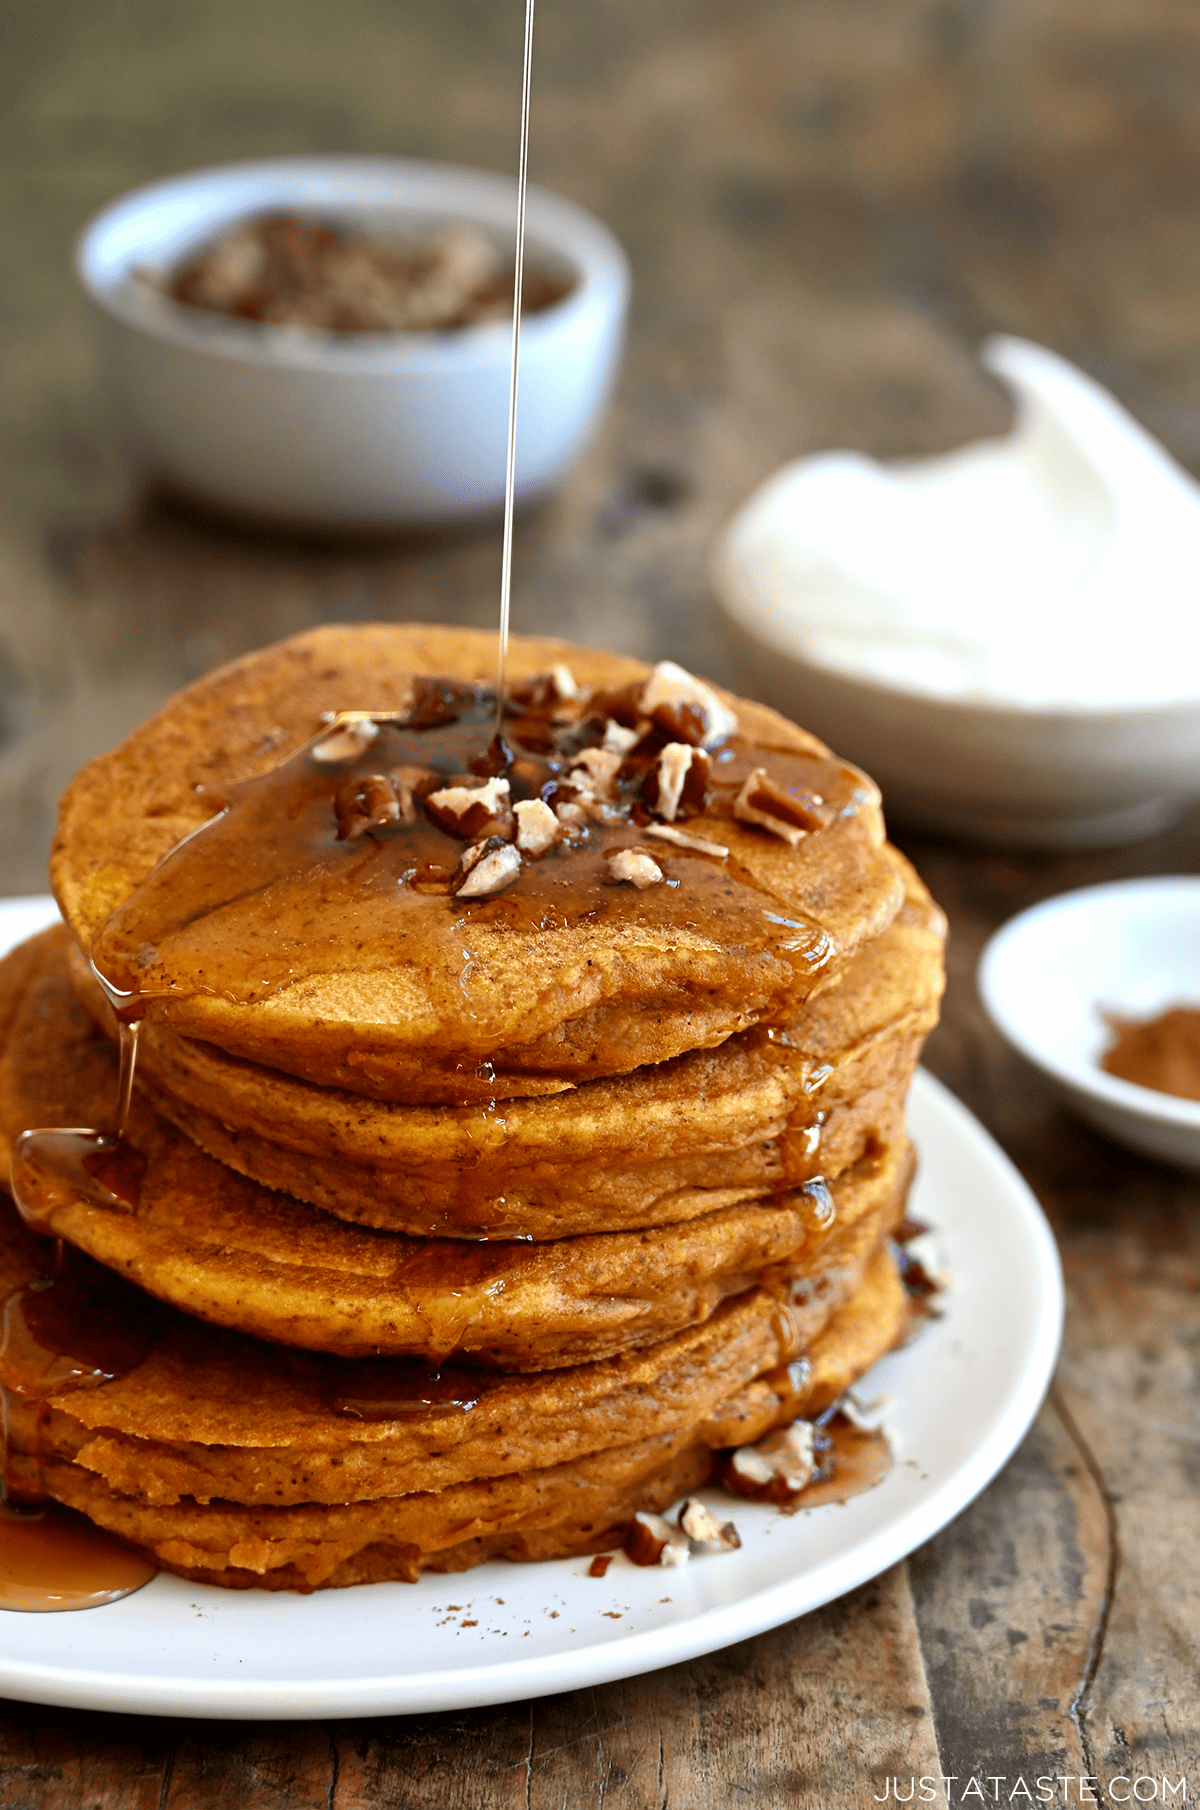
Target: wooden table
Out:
[826,204]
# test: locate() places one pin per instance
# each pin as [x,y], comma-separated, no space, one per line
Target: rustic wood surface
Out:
[826,203]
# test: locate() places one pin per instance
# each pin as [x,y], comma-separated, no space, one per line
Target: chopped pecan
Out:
[487,868]
[618,739]
[676,784]
[433,702]
[472,811]
[703,1529]
[777,1468]
[420,781]
[496,758]
[635,866]
[594,771]
[537,827]
[685,707]
[762,802]
[666,832]
[651,1540]
[546,690]
[346,741]
[370,803]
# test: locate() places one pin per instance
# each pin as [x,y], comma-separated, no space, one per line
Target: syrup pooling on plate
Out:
[856,1459]
[52,1558]
[79,1329]
[276,888]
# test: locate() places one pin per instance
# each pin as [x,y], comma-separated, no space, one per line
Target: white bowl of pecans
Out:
[326,341]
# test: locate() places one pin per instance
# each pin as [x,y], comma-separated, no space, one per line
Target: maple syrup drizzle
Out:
[53,1167]
[510,462]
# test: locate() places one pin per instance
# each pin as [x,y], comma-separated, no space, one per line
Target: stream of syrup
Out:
[510,459]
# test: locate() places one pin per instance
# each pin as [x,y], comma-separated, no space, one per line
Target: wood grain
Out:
[762,1723]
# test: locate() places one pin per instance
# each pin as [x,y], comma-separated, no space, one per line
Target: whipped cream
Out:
[1059,565]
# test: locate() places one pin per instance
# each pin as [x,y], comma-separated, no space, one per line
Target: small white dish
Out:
[1049,977]
[352,430]
[958,1400]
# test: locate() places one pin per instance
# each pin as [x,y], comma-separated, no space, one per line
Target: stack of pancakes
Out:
[476,1242]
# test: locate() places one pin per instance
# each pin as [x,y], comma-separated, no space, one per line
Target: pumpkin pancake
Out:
[228,1250]
[229,1461]
[760,1113]
[283,938]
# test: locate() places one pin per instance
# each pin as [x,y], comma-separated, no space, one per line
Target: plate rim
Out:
[474,1686]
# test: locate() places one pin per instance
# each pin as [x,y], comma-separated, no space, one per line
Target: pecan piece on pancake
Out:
[651,1540]
[618,739]
[496,758]
[685,707]
[594,771]
[784,814]
[634,866]
[486,868]
[703,1529]
[472,812]
[546,691]
[571,810]
[371,802]
[666,832]
[345,741]
[538,829]
[677,783]
[433,702]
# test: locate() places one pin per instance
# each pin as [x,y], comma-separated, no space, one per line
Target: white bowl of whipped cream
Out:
[1007,636]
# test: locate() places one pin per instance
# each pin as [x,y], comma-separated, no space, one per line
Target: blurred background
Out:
[827,203]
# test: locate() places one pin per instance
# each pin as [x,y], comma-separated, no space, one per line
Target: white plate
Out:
[959,1400]
[1049,977]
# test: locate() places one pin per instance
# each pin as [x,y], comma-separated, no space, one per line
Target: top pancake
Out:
[335,972]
